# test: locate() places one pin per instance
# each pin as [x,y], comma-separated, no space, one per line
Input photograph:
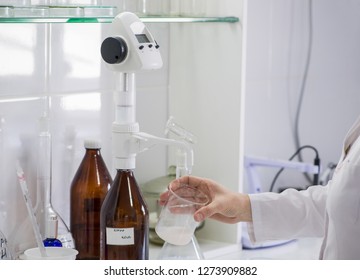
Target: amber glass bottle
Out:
[88,190]
[124,221]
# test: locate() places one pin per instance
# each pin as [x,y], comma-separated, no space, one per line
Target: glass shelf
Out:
[185,19]
[86,14]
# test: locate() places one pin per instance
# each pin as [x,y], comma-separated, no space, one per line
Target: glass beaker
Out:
[176,224]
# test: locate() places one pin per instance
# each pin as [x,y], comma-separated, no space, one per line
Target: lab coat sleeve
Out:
[290,214]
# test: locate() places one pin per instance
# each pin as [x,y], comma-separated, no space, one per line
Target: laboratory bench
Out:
[300,249]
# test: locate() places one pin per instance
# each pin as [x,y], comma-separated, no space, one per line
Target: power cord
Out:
[316,162]
[303,85]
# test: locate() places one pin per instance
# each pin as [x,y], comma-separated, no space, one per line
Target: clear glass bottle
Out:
[124,220]
[88,190]
[51,232]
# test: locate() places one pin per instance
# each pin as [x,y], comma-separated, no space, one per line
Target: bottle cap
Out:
[92,144]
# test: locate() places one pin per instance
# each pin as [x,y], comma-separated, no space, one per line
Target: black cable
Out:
[303,85]
[316,162]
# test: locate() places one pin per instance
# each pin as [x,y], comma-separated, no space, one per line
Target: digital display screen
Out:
[142,38]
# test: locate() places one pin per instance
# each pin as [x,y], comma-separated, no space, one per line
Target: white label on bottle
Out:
[120,236]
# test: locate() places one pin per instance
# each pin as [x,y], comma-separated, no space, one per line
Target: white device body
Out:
[143,50]
[132,49]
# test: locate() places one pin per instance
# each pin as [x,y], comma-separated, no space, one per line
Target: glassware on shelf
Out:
[151,7]
[31,11]
[218,9]
[192,8]
[6,11]
[48,11]
[174,7]
[99,11]
[66,11]
[130,6]
[99,14]
[71,2]
[15,2]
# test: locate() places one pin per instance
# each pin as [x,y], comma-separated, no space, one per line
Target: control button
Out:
[150,45]
[156,45]
[141,47]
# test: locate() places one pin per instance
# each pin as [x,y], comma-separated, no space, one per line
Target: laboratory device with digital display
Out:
[124,214]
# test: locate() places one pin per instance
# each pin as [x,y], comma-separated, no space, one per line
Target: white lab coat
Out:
[331,211]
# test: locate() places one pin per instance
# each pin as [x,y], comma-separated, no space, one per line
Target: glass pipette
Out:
[35,226]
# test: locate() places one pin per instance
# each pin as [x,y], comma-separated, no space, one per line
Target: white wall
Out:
[278,32]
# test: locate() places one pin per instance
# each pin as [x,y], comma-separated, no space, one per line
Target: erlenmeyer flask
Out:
[190,251]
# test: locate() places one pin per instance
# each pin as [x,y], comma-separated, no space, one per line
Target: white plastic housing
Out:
[143,50]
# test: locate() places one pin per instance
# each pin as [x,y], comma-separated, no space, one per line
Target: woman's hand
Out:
[224,206]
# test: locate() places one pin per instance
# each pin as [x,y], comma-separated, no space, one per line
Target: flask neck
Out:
[93,151]
[125,172]
[92,155]
[126,177]
[129,170]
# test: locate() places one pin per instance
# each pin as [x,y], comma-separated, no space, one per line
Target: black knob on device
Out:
[114,50]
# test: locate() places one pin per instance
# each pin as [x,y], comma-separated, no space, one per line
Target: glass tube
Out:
[44,208]
[172,126]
